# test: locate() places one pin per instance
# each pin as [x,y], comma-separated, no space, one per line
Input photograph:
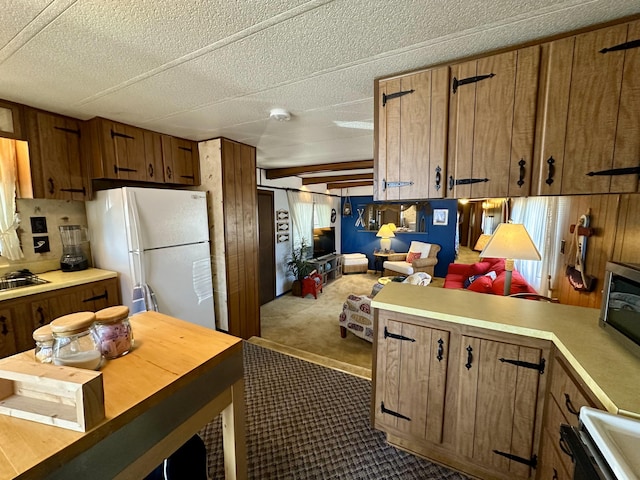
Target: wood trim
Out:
[337,178]
[273,173]
[335,185]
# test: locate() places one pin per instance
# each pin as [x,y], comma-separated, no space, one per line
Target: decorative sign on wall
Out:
[282,226]
[282,215]
[283,237]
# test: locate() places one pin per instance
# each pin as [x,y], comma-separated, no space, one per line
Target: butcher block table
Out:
[178,378]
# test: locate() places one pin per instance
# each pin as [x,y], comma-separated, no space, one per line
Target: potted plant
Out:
[299,267]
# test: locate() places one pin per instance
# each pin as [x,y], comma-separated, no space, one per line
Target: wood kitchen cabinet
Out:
[11,120]
[24,314]
[58,169]
[587,134]
[492,125]
[181,161]
[567,394]
[459,395]
[411,136]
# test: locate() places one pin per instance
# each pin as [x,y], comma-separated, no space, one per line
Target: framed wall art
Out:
[440,216]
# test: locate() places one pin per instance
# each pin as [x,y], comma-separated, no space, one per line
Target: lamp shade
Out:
[511,241]
[385,231]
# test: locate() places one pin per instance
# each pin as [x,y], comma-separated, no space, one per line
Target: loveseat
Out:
[477,277]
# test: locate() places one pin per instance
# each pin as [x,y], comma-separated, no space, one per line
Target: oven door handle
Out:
[584,467]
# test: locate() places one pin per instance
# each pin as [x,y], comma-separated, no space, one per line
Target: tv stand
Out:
[329,266]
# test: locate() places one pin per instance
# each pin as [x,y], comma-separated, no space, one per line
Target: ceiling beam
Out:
[337,178]
[273,173]
[362,183]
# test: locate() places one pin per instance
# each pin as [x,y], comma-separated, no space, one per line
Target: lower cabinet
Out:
[23,315]
[463,396]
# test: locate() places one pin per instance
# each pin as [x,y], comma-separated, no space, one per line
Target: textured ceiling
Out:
[203,69]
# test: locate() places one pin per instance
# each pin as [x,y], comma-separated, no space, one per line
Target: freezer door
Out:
[180,277]
[165,217]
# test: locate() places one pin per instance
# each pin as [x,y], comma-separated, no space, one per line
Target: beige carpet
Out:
[308,328]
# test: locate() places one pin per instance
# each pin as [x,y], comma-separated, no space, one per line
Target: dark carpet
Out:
[305,421]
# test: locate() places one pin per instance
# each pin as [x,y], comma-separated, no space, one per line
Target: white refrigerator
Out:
[158,242]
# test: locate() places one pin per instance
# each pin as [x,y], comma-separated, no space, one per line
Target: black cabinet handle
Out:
[105,295]
[622,46]
[5,330]
[469,357]
[521,163]
[169,172]
[52,186]
[555,474]
[150,170]
[551,171]
[438,177]
[565,448]
[440,350]
[40,313]
[569,405]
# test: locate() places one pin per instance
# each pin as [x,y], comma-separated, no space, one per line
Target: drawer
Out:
[552,467]
[567,394]
[554,418]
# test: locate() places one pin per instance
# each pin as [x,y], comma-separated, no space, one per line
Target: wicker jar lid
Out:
[112,314]
[73,323]
[43,334]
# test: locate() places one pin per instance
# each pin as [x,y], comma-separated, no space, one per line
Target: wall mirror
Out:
[407,217]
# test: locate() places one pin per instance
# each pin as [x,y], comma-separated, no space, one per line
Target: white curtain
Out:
[322,210]
[9,220]
[543,218]
[301,208]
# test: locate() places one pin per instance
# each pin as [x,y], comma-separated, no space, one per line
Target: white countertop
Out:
[58,279]
[606,367]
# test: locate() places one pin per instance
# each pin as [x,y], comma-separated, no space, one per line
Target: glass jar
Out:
[74,343]
[43,337]
[113,331]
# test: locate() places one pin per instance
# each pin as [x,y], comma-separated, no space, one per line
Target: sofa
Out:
[485,276]
[421,257]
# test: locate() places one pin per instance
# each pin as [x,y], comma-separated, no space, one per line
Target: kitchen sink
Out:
[21,278]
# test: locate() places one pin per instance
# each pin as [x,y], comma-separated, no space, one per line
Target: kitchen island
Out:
[178,377]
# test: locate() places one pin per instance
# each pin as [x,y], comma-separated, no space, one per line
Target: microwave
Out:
[620,311]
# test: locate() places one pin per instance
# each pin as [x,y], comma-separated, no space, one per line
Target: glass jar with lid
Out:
[74,342]
[43,337]
[113,331]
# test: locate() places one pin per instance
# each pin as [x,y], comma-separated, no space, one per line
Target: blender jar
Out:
[73,257]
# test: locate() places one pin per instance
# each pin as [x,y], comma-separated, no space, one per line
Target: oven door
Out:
[589,463]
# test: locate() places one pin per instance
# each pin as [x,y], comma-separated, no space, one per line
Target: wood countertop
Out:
[58,279]
[606,367]
[169,354]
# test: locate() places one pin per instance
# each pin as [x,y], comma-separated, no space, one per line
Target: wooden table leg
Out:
[234,435]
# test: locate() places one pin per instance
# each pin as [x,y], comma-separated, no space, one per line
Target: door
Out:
[266,236]
[180,277]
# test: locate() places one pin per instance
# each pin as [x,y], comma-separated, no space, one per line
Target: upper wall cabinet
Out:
[58,170]
[181,161]
[11,125]
[492,125]
[411,136]
[588,123]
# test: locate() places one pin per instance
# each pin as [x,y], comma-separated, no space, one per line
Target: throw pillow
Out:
[482,285]
[411,256]
[470,280]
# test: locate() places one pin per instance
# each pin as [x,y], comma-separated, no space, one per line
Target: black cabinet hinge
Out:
[464,81]
[121,135]
[388,334]
[464,181]
[391,96]
[82,190]
[622,46]
[392,413]
[616,171]
[519,363]
[531,462]
[68,130]
[187,149]
[105,296]
[117,169]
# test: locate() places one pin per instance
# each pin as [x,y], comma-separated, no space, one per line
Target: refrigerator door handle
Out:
[152,299]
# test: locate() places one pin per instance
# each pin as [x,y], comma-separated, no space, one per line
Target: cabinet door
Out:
[181,161]
[58,171]
[492,124]
[497,405]
[411,359]
[11,120]
[123,155]
[88,298]
[411,134]
[588,119]
[154,171]
[7,333]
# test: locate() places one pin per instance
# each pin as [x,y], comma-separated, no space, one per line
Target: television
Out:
[324,241]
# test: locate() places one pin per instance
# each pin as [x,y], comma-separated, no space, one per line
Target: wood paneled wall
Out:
[616,225]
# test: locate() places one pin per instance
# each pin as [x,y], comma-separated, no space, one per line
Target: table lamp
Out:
[386,234]
[511,242]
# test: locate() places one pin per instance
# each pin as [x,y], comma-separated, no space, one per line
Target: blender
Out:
[73,257]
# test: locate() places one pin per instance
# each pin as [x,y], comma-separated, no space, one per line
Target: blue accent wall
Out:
[357,240]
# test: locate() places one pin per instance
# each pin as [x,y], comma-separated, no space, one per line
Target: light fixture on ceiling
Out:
[279,114]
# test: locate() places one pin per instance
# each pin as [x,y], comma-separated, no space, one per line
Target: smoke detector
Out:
[280,114]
